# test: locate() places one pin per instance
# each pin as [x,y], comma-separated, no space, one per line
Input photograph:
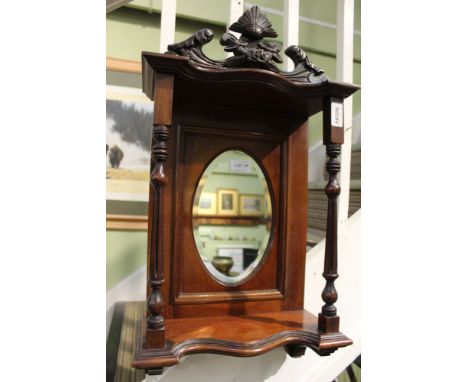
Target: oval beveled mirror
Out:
[232,216]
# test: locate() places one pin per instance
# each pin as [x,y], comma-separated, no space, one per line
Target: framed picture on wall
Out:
[207,203]
[252,205]
[126,205]
[228,202]
[129,121]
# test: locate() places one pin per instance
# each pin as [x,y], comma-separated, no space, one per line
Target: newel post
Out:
[162,120]
[333,138]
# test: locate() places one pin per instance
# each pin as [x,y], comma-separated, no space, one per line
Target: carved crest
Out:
[250,50]
[255,24]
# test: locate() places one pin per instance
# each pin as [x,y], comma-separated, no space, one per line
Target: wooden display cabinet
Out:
[203,108]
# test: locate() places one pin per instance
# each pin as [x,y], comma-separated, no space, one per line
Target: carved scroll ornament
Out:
[250,50]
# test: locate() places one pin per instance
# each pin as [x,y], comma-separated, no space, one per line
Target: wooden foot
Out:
[295,350]
[155,371]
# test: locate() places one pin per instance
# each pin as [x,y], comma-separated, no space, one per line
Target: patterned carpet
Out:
[121,341]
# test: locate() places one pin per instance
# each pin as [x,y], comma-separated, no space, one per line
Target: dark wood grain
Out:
[162,118]
[200,112]
[295,350]
[242,336]
[264,87]
[164,87]
[328,319]
[295,218]
[198,147]
[250,50]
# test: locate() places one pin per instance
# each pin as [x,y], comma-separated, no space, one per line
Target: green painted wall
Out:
[130,31]
[123,207]
[133,29]
[218,175]
[136,27]
[125,253]
[328,64]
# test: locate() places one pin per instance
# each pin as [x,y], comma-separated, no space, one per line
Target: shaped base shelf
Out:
[241,336]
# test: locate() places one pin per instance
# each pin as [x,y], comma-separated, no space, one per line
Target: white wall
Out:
[318,154]
[132,288]
[316,163]
[277,366]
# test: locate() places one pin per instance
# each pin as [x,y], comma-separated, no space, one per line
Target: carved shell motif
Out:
[250,50]
[254,24]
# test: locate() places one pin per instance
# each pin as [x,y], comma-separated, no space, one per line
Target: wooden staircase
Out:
[317,201]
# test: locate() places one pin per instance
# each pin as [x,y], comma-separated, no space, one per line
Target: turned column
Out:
[333,137]
[162,119]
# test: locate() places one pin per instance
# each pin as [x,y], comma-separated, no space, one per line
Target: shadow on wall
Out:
[211,368]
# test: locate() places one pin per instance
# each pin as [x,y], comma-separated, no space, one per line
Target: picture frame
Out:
[125,211]
[128,134]
[124,66]
[207,204]
[269,210]
[228,203]
[251,205]
[116,222]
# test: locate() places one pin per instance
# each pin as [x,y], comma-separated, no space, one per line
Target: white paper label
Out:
[337,114]
[240,165]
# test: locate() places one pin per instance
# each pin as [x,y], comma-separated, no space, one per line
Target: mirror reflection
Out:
[232,216]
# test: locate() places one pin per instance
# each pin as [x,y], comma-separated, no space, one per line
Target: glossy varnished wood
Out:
[162,119]
[242,336]
[329,321]
[202,111]
[198,147]
[265,87]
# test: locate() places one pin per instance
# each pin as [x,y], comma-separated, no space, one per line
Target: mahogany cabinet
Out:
[229,157]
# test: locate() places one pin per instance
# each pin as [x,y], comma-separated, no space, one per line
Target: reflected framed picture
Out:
[228,202]
[252,205]
[207,204]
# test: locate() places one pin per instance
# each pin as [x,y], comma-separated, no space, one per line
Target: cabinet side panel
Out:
[296,218]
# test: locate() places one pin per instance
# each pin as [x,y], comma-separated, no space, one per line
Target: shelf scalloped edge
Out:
[151,359]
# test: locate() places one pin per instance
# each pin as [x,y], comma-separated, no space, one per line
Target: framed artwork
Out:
[129,121]
[125,66]
[126,209]
[228,202]
[207,203]
[252,205]
[127,196]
